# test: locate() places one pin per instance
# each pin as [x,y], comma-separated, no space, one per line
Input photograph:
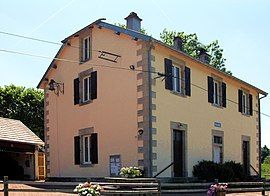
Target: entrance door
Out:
[246,158]
[178,153]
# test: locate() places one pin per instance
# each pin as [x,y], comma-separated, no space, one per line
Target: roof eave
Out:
[211,67]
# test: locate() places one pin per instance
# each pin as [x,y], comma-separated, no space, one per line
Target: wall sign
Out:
[217,124]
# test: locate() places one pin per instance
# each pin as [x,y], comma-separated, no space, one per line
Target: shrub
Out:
[130,172]
[226,172]
[205,170]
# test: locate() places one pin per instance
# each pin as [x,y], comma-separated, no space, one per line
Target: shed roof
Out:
[16,131]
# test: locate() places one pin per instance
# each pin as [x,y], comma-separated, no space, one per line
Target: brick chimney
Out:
[133,22]
[178,43]
[203,56]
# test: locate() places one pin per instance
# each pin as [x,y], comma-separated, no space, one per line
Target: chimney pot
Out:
[204,56]
[178,43]
[133,22]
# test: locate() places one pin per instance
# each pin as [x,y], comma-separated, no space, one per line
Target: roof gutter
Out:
[260,135]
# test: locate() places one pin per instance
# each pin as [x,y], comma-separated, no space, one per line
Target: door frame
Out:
[245,138]
[179,127]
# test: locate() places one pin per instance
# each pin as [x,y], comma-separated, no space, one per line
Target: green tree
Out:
[264,153]
[24,104]
[192,46]
[267,160]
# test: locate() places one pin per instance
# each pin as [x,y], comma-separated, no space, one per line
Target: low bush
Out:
[130,172]
[224,172]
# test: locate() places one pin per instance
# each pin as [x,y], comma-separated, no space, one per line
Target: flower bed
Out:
[130,172]
[88,189]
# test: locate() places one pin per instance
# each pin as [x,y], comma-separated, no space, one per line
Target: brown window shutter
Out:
[187,81]
[94,148]
[210,89]
[168,74]
[250,105]
[240,103]
[224,99]
[76,85]
[93,85]
[77,158]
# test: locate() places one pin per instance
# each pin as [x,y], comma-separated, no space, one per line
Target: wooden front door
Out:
[41,166]
[178,153]
[246,157]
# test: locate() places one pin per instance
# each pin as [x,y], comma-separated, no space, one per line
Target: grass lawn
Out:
[266,170]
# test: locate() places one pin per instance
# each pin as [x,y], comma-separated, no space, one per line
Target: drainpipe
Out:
[260,134]
[150,172]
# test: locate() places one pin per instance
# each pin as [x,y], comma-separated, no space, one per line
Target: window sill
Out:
[247,115]
[217,106]
[84,61]
[178,94]
[85,102]
[86,165]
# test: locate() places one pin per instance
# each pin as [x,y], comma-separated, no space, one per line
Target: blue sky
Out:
[241,26]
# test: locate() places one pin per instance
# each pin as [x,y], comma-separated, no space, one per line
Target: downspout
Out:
[260,134]
[150,172]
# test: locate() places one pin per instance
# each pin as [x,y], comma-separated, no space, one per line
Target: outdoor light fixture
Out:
[140,132]
[56,87]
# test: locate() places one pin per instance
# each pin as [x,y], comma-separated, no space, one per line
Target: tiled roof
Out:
[16,131]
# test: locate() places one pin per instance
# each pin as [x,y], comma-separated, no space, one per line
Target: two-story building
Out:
[116,97]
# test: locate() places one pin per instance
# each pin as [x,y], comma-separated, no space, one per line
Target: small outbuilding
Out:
[21,155]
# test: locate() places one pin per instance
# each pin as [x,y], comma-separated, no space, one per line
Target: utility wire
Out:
[131,68]
[42,40]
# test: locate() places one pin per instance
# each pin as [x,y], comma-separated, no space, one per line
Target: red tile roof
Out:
[16,131]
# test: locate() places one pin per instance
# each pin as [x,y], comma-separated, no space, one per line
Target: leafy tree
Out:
[192,46]
[267,160]
[24,104]
[265,152]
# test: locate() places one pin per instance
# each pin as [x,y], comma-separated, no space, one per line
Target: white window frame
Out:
[216,94]
[88,149]
[86,97]
[177,79]
[86,54]
[220,146]
[245,103]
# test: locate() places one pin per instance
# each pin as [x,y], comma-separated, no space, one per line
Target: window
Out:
[177,79]
[86,149]
[217,149]
[86,88]
[86,49]
[245,103]
[217,93]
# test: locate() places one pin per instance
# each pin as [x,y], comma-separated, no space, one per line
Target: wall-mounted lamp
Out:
[140,131]
[56,87]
